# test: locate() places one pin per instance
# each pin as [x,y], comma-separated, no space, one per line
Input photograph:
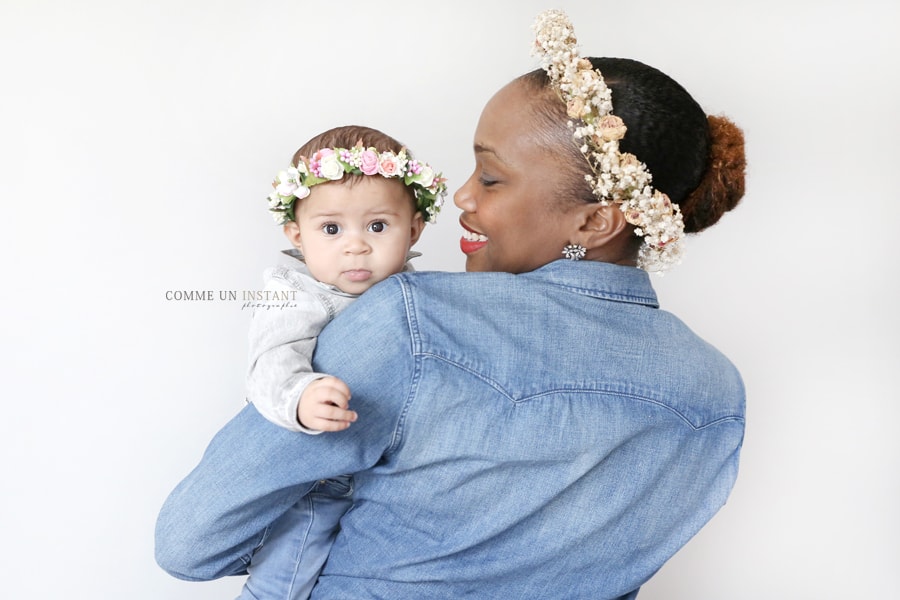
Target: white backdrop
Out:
[137,143]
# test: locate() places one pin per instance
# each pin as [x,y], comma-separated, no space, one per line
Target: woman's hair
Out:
[698,161]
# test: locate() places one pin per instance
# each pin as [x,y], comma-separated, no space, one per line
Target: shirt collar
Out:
[600,280]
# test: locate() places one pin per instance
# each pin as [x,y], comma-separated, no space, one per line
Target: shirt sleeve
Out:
[253,470]
[282,338]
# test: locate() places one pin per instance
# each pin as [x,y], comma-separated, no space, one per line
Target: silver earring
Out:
[574,251]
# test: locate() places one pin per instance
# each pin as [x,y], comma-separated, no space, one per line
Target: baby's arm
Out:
[324,405]
[282,338]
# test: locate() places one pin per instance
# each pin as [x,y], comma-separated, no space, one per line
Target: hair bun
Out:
[722,186]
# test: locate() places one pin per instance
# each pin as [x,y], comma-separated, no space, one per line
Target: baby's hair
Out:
[347,136]
[698,161]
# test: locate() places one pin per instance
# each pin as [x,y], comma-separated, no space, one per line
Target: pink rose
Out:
[320,154]
[368,162]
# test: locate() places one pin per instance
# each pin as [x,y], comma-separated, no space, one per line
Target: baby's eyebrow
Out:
[383,211]
[338,214]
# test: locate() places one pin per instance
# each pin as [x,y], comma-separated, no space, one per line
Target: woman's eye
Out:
[486,181]
[378,227]
[331,229]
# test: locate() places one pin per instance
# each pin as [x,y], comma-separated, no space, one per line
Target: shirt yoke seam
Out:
[578,390]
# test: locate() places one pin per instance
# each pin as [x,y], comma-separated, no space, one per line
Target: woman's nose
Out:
[463,198]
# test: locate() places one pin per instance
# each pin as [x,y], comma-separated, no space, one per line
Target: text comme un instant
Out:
[232,295]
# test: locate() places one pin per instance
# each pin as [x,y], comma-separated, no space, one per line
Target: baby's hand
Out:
[324,405]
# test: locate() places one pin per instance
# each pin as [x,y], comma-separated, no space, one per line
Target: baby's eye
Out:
[378,227]
[331,229]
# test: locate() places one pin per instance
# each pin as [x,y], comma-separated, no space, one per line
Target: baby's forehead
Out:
[352,211]
[364,198]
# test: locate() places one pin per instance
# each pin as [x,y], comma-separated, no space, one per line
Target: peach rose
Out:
[612,128]
[629,161]
[586,78]
[633,217]
[575,108]
[389,164]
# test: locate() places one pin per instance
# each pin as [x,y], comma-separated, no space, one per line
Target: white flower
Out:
[330,164]
[425,177]
[293,173]
[331,168]
[286,189]
[617,177]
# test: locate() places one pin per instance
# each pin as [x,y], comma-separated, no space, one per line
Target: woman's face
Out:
[513,217]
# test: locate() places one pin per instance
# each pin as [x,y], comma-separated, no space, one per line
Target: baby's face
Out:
[353,236]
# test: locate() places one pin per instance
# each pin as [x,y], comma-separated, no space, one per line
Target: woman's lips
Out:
[469,247]
[471,241]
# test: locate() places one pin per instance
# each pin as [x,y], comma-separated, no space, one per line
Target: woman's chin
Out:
[475,264]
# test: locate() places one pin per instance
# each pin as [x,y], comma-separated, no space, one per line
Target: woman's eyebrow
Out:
[484,149]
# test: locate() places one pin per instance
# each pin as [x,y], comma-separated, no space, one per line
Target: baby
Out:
[352,205]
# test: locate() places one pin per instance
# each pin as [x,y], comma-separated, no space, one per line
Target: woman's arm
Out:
[218,515]
[253,470]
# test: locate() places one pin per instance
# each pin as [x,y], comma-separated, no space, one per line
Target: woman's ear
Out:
[600,225]
[292,233]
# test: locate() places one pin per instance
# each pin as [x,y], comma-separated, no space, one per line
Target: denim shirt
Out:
[545,435]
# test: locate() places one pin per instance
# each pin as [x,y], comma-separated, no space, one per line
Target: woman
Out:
[535,428]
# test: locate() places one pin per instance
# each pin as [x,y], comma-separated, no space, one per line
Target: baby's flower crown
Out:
[330,164]
[619,177]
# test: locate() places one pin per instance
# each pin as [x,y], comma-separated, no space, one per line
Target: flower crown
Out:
[618,177]
[330,164]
